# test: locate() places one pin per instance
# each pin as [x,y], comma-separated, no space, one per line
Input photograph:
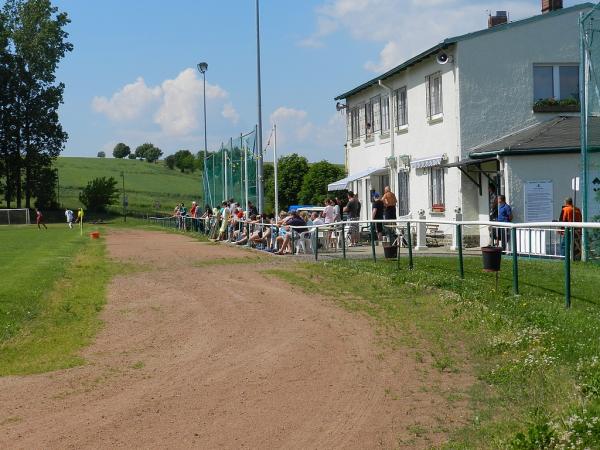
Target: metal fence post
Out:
[515,260]
[343,242]
[459,245]
[398,247]
[293,242]
[568,267]
[316,246]
[373,241]
[410,252]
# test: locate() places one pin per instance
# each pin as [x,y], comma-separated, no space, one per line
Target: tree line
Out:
[300,183]
[32,43]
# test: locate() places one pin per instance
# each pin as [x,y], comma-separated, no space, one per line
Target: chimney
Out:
[500,18]
[551,5]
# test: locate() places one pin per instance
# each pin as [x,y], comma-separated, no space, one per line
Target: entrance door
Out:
[403,194]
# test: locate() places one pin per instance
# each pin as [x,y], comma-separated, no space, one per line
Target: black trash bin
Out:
[492,257]
[390,251]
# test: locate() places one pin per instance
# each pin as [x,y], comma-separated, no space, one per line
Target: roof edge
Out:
[453,40]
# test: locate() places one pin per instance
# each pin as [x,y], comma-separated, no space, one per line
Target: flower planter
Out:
[390,251]
[556,108]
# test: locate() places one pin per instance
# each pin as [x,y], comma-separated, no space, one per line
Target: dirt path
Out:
[221,356]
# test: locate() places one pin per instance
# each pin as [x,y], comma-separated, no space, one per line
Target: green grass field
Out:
[537,363]
[53,286]
[145,183]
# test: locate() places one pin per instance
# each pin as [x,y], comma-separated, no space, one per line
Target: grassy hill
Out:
[145,183]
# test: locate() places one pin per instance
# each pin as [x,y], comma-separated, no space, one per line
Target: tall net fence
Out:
[590,126]
[231,172]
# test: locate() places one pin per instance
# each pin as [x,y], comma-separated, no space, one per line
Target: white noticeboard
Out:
[539,201]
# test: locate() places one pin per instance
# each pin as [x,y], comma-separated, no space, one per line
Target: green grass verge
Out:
[537,363]
[55,287]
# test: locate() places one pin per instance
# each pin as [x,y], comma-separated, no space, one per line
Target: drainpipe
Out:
[392,133]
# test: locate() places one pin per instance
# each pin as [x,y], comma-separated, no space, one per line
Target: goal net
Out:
[16,216]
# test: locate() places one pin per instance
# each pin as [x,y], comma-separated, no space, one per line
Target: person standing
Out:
[504,215]
[377,213]
[570,213]
[389,202]
[353,211]
[39,219]
[69,216]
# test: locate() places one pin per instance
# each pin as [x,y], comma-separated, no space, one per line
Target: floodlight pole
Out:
[203,67]
[261,192]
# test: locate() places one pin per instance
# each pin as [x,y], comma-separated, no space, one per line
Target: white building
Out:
[443,125]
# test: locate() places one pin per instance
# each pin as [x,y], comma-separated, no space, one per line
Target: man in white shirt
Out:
[69,216]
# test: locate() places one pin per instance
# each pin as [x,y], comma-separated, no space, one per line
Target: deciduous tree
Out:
[121,150]
[99,193]
[314,184]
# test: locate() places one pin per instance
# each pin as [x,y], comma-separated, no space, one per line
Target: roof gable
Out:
[446,43]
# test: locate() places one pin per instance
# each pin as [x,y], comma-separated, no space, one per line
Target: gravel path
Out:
[204,355]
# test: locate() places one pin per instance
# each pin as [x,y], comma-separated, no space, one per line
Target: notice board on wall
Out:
[539,201]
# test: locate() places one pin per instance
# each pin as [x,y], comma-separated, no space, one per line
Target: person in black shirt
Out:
[353,211]
[295,221]
[377,213]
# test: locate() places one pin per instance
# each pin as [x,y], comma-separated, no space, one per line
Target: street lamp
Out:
[203,67]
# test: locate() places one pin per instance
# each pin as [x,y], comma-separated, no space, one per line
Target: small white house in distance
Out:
[443,126]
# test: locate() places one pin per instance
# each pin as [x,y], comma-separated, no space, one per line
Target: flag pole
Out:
[275,168]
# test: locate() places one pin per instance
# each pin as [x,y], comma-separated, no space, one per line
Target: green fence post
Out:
[567,243]
[398,247]
[410,252]
[343,242]
[247,234]
[461,266]
[316,246]
[515,260]
[373,241]
[293,242]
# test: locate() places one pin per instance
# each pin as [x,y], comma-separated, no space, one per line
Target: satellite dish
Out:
[339,106]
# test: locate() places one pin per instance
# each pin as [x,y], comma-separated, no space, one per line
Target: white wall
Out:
[496,75]
[556,168]
[420,139]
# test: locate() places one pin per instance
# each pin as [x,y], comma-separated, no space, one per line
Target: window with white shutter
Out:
[385,114]
[376,101]
[433,95]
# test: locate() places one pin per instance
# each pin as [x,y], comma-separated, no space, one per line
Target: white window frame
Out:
[354,125]
[430,84]
[401,107]
[385,114]
[376,105]
[437,187]
[369,119]
[555,79]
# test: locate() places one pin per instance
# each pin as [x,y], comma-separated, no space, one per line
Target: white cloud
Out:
[406,27]
[179,101]
[127,103]
[296,132]
[229,112]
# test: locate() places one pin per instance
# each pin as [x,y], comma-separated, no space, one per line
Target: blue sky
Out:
[131,77]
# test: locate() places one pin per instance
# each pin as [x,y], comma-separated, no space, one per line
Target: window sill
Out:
[436,119]
[402,129]
[385,134]
[437,213]
[369,139]
[355,143]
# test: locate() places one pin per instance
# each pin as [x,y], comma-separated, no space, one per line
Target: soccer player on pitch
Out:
[39,219]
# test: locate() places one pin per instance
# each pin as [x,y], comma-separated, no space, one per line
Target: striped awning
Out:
[344,182]
[431,161]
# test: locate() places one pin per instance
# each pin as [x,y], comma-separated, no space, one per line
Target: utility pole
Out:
[275,169]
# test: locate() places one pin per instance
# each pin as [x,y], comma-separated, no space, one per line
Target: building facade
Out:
[416,127]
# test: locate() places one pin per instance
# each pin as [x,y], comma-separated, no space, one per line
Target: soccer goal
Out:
[14,216]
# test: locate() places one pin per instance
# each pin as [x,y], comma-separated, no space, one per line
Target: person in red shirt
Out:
[39,219]
[571,213]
